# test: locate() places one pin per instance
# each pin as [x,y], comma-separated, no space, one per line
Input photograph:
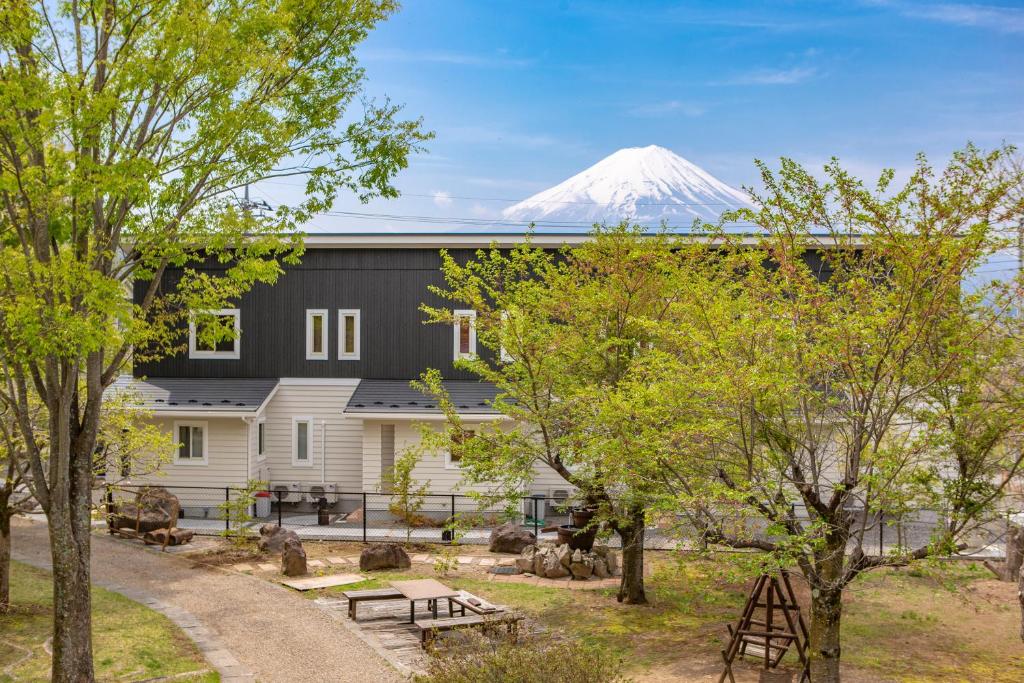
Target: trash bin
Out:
[323,515]
[263,504]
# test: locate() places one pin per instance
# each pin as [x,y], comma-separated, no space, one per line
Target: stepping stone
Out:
[487,561]
[420,558]
[316,563]
[465,559]
[337,560]
[267,567]
[322,581]
[242,567]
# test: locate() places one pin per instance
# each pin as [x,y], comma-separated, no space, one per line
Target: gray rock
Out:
[600,568]
[293,558]
[154,508]
[553,567]
[510,538]
[564,555]
[539,558]
[384,556]
[273,538]
[612,560]
[582,570]
[525,560]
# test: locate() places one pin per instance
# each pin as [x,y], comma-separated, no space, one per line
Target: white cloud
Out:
[668,108]
[442,199]
[994,17]
[792,76]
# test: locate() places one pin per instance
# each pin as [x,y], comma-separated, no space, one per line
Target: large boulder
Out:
[293,558]
[510,538]
[384,556]
[564,554]
[273,538]
[154,508]
[581,565]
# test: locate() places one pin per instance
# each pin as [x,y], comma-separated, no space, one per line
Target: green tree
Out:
[125,129]
[408,493]
[846,390]
[561,332]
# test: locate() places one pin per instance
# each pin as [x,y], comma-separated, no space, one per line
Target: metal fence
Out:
[321,513]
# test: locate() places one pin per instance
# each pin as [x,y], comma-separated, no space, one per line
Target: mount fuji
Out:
[645,185]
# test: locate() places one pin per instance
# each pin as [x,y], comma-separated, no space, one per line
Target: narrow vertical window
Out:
[316,334]
[503,355]
[261,443]
[348,334]
[302,429]
[465,334]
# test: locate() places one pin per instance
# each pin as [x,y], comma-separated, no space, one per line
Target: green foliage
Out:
[408,491]
[238,511]
[476,658]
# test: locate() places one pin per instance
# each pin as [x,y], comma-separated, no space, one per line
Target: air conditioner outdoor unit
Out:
[314,492]
[285,492]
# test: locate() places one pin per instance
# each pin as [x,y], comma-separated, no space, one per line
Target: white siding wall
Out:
[432,467]
[227,463]
[343,448]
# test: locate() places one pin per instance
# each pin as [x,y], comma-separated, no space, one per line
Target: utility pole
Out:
[249,205]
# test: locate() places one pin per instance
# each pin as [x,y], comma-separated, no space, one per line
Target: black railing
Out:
[320,512]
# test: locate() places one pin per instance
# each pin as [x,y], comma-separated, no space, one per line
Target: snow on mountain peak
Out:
[645,185]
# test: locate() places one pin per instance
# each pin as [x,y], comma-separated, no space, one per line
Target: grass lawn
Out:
[948,622]
[130,641]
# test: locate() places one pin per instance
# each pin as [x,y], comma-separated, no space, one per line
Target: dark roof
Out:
[200,395]
[397,397]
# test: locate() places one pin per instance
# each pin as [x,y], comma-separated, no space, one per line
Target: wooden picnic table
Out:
[430,590]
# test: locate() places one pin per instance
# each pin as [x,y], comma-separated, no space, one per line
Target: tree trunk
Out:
[826,611]
[631,588]
[1020,599]
[1014,552]
[5,562]
[70,526]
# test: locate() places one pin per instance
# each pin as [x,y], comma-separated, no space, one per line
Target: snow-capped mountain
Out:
[645,185]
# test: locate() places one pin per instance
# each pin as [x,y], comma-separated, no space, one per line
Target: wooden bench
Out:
[356,597]
[431,627]
[463,602]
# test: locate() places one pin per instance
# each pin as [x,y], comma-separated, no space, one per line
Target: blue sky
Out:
[524,94]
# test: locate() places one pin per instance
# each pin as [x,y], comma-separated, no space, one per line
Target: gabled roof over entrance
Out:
[180,395]
[394,398]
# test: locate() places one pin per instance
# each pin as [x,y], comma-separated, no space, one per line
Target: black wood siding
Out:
[386,285]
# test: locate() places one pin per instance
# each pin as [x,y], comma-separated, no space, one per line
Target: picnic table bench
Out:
[467,601]
[431,627]
[356,597]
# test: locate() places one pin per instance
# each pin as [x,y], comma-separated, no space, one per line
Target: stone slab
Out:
[267,567]
[337,560]
[316,563]
[242,567]
[323,581]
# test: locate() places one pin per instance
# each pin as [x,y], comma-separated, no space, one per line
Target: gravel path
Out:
[272,632]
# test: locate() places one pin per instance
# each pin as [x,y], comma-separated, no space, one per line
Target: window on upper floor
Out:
[465,334]
[348,334]
[316,334]
[191,438]
[215,334]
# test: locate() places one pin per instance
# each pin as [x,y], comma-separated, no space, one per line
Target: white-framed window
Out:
[192,438]
[198,347]
[302,442]
[503,355]
[465,334]
[348,333]
[451,460]
[316,334]
[261,439]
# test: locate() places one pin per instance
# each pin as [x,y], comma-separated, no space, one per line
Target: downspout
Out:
[323,451]
[248,449]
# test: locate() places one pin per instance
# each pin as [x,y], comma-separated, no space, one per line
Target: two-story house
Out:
[314,390]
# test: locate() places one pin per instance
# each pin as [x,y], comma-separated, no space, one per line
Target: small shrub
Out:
[476,658]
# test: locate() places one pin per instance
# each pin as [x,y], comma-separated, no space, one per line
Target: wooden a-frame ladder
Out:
[768,638]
